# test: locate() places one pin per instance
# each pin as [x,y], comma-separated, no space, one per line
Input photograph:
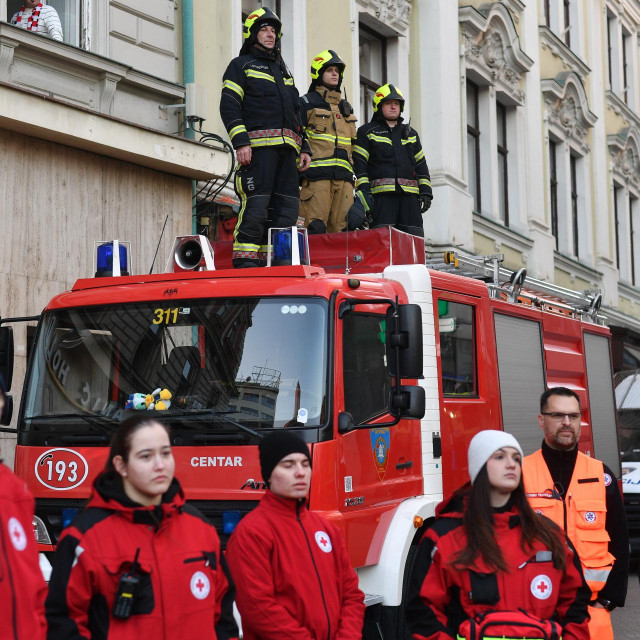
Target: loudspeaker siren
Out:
[191,253]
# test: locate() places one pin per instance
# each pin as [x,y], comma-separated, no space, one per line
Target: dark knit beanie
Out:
[277,445]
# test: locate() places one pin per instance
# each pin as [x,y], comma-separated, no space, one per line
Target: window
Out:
[567,22]
[553,188]
[457,348]
[547,13]
[249,5]
[367,383]
[626,39]
[574,206]
[68,12]
[503,174]
[473,144]
[373,68]
[616,222]
[633,212]
[611,30]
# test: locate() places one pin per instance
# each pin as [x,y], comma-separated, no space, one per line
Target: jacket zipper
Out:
[313,560]
[10,574]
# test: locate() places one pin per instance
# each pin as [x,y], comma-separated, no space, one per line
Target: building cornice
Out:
[571,62]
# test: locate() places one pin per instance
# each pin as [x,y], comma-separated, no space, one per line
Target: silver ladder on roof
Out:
[500,280]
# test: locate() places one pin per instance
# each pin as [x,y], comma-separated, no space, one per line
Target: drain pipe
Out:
[188,77]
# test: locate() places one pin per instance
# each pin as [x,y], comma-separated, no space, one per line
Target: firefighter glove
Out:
[365,198]
[425,202]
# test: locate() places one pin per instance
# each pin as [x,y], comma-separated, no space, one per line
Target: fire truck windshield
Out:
[207,365]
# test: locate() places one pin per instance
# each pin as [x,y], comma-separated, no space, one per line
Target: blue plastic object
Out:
[104,262]
[68,515]
[282,247]
[230,521]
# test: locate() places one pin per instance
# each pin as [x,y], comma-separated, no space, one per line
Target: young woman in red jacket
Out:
[139,562]
[489,560]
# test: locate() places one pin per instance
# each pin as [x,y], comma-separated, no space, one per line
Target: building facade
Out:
[529,117]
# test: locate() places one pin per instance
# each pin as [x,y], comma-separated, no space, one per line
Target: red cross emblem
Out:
[17,535]
[541,587]
[323,541]
[200,585]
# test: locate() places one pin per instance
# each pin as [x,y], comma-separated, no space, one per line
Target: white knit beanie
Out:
[484,444]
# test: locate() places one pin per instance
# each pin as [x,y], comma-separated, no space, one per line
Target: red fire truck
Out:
[385,365]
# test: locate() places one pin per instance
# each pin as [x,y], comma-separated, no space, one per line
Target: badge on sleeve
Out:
[200,585]
[607,480]
[17,535]
[323,541]
[541,587]
[590,517]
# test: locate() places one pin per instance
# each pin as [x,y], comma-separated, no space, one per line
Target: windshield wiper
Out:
[67,416]
[214,414]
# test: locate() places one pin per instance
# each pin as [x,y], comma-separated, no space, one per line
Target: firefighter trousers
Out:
[324,205]
[399,210]
[269,197]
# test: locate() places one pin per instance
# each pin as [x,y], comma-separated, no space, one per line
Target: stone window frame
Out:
[624,168]
[567,119]
[495,62]
[622,47]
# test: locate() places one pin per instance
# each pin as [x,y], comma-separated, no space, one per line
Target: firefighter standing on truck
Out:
[260,109]
[392,177]
[330,128]
[580,494]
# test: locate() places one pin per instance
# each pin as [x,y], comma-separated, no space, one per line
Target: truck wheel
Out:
[393,622]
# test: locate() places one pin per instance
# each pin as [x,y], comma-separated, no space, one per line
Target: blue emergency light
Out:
[282,247]
[105,261]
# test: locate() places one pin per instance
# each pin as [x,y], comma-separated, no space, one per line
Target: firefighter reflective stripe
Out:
[418,156]
[423,182]
[332,162]
[383,185]
[312,135]
[361,151]
[363,200]
[596,575]
[252,73]
[409,140]
[274,137]
[288,81]
[243,250]
[362,180]
[384,139]
[229,84]
[236,130]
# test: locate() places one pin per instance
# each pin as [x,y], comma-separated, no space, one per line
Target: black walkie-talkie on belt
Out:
[126,593]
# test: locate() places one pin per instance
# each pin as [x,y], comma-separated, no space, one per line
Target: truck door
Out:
[465,347]
[380,466]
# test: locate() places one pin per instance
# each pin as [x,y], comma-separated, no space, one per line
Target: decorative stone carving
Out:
[491,48]
[624,156]
[393,13]
[6,58]
[567,110]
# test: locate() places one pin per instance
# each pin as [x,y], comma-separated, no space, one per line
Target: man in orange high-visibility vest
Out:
[580,494]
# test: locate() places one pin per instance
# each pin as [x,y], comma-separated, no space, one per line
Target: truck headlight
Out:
[40,531]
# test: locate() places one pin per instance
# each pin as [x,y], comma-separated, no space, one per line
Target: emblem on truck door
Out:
[61,469]
[380,442]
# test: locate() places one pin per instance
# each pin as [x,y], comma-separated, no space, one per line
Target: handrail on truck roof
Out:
[504,283]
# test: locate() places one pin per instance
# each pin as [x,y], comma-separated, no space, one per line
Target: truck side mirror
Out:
[409,402]
[6,355]
[404,341]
